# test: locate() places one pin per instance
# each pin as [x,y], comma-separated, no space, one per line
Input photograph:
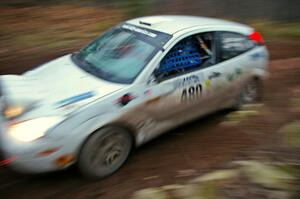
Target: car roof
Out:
[174,23]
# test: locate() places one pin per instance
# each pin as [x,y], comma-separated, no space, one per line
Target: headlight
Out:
[33,129]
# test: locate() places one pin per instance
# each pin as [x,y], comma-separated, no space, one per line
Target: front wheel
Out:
[104,152]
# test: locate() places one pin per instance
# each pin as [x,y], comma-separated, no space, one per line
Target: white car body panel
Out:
[172,24]
[50,91]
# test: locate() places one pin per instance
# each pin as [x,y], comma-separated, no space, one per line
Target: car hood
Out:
[59,84]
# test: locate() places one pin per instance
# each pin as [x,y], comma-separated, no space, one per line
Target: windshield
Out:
[120,54]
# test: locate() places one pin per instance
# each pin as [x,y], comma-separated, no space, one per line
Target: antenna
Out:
[145,23]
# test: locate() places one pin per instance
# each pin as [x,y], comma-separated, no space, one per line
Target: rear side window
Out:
[234,44]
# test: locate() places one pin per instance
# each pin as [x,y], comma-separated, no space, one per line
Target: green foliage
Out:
[209,190]
[267,175]
[151,193]
[218,175]
[295,103]
[279,178]
[239,115]
[272,30]
[291,134]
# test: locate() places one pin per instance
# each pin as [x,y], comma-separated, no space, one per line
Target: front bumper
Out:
[42,155]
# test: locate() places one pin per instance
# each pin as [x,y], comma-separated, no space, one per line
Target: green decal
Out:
[238,71]
[230,77]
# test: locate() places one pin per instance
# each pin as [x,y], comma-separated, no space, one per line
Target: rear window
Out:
[234,44]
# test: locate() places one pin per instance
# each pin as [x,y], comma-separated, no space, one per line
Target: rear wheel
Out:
[250,93]
[104,152]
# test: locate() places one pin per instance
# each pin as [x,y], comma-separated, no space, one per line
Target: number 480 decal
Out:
[191,93]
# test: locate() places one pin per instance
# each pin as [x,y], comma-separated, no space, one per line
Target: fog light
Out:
[64,160]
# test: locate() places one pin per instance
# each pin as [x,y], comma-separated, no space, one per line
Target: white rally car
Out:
[136,81]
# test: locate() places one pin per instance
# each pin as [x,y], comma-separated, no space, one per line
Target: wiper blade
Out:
[87,66]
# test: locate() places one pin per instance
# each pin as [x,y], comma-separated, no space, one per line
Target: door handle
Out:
[214,75]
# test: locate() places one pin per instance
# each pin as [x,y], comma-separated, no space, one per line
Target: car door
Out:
[179,84]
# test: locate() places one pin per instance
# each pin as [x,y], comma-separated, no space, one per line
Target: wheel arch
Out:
[128,128]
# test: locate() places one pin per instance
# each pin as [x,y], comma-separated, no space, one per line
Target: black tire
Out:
[104,152]
[252,92]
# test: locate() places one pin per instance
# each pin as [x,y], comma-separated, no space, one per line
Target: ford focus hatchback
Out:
[136,81]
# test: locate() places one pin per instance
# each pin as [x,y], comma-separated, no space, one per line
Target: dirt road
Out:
[172,158]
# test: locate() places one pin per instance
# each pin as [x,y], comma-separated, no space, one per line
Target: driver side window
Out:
[189,54]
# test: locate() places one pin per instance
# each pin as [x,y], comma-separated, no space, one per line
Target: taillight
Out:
[257,38]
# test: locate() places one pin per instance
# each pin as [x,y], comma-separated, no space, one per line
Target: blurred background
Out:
[266,136]
[34,31]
